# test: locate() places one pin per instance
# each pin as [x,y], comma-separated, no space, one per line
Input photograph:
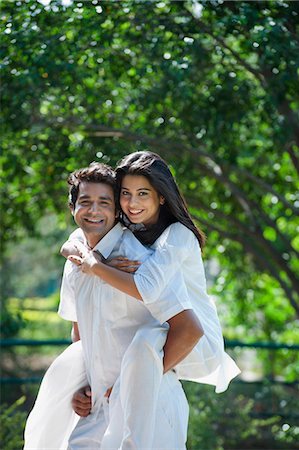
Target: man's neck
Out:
[92,241]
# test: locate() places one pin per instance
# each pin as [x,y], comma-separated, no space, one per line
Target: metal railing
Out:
[12,342]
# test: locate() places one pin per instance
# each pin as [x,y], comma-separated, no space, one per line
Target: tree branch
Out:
[257,254]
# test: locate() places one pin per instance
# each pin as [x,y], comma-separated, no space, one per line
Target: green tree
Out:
[211,86]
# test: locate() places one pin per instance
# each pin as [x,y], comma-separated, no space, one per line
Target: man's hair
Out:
[94,173]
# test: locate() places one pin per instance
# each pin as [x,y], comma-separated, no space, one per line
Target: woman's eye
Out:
[125,193]
[142,193]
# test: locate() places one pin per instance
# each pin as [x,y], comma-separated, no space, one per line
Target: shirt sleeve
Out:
[67,305]
[173,247]
[173,300]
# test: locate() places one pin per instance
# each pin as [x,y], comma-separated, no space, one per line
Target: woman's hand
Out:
[124,264]
[86,263]
[73,247]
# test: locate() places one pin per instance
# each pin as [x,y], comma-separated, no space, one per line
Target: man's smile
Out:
[96,221]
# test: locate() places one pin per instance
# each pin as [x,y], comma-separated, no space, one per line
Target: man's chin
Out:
[94,230]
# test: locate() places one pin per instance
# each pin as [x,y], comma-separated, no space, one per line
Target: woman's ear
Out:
[162,200]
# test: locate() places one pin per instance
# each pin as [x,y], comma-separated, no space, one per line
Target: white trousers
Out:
[146,410]
[52,418]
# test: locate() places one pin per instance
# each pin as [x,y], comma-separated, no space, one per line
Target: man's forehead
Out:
[90,189]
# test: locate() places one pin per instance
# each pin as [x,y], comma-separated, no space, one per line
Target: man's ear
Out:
[72,209]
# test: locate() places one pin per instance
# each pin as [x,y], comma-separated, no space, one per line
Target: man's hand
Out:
[81,401]
[108,393]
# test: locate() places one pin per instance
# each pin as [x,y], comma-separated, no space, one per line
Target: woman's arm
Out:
[120,280]
[154,274]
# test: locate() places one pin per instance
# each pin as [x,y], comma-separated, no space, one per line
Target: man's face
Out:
[94,211]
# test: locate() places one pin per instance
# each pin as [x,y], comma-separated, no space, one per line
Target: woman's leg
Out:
[52,418]
[170,420]
[135,395]
[89,431]
[172,415]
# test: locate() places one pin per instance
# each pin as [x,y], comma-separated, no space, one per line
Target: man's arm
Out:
[75,335]
[184,332]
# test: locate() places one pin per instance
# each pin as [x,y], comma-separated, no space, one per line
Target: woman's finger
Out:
[75,259]
[131,269]
[129,263]
[82,250]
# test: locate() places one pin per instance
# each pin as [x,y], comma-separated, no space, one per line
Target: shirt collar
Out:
[109,241]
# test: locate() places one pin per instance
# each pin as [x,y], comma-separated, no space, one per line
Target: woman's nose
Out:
[133,200]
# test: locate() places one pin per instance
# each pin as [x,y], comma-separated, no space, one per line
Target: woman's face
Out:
[139,200]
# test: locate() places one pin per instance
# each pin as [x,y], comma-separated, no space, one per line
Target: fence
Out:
[5,343]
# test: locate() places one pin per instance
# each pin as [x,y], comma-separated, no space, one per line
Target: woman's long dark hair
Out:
[155,169]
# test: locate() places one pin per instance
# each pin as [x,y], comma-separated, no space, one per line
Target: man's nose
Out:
[94,207]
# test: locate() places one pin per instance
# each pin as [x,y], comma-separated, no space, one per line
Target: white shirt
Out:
[177,249]
[107,318]
[176,262]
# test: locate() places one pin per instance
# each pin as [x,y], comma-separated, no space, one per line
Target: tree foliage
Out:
[212,87]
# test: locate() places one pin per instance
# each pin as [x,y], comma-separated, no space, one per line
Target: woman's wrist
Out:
[97,267]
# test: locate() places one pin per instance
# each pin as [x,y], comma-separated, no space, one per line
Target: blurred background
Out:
[212,87]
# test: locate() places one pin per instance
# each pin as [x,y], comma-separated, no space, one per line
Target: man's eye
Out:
[84,203]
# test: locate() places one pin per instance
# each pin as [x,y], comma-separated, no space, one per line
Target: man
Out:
[122,339]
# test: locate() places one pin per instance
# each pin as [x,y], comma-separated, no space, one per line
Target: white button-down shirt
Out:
[177,251]
[172,278]
[107,318]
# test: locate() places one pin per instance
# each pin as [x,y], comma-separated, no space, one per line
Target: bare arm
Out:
[75,332]
[184,332]
[120,280]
